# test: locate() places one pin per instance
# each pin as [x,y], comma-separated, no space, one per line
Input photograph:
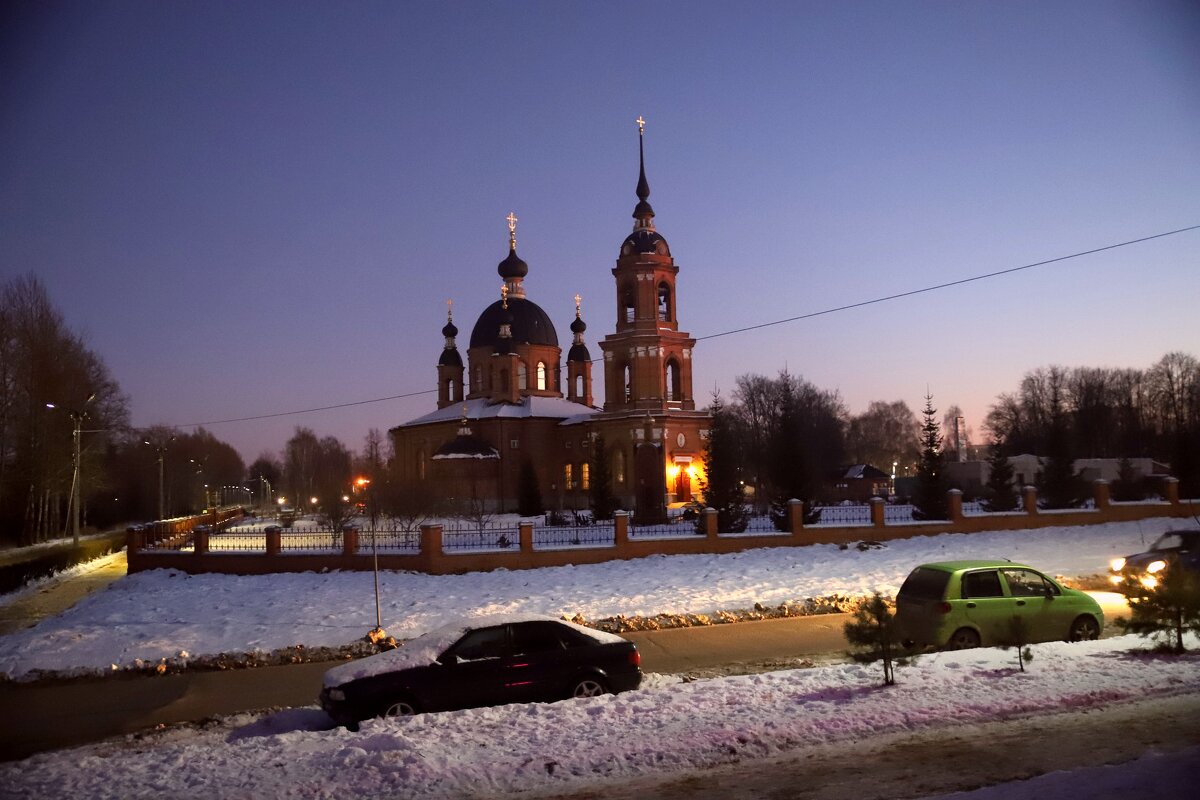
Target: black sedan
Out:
[483,662]
[1174,550]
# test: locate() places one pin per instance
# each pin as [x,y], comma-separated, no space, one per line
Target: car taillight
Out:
[635,658]
[944,608]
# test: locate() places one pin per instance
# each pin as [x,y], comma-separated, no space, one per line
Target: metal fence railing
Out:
[554,536]
[480,537]
[844,515]
[668,530]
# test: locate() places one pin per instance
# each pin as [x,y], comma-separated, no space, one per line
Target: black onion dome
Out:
[645,240]
[450,331]
[578,325]
[466,445]
[528,322]
[450,358]
[512,266]
[579,352]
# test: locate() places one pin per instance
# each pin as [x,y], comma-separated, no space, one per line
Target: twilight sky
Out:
[251,208]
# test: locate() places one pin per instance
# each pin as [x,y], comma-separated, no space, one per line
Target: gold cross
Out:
[641,126]
[504,294]
[449,309]
[577,299]
[512,222]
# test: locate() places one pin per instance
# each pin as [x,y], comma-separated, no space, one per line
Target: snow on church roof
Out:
[529,407]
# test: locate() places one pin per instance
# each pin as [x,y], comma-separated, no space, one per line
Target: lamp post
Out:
[77,417]
[161,448]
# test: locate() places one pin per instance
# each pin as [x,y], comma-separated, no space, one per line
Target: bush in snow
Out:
[1169,609]
[1018,635]
[876,637]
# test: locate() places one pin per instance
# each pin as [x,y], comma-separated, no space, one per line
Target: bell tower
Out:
[648,360]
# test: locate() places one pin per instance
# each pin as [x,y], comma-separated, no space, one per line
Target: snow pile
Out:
[154,615]
[578,744]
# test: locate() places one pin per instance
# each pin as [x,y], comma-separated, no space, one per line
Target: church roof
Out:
[529,324]
[532,406]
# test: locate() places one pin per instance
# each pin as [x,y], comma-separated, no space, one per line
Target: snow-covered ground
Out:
[663,730]
[162,614]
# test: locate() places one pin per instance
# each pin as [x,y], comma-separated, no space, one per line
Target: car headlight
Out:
[1156,566]
[1149,581]
[1117,564]
[337,694]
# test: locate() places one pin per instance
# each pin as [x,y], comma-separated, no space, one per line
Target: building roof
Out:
[532,406]
[529,324]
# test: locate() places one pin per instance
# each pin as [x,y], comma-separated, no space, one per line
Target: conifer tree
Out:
[722,485]
[600,495]
[876,636]
[1001,494]
[1128,485]
[1170,608]
[930,501]
[1059,485]
[1018,635]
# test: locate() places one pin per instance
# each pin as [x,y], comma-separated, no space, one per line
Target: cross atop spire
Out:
[450,310]
[643,214]
[641,126]
[577,301]
[512,230]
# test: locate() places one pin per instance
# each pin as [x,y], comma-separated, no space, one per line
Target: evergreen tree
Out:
[529,493]
[1001,494]
[1059,485]
[722,485]
[788,461]
[1018,635]
[600,495]
[1128,485]
[876,636]
[1169,608]
[930,501]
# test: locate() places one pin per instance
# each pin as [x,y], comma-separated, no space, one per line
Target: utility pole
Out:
[77,417]
[162,449]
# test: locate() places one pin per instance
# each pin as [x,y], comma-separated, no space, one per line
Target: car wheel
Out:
[1083,629]
[400,708]
[963,639]
[589,687]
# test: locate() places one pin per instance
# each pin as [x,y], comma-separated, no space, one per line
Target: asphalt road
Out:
[49,716]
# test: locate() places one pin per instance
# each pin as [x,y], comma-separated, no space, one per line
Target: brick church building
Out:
[510,408]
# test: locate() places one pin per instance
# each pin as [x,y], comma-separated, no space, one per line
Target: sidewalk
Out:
[27,610]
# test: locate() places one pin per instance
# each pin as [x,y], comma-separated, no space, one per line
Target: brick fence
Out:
[433,559]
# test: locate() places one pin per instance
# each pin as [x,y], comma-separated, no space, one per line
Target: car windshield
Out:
[924,584]
[1172,540]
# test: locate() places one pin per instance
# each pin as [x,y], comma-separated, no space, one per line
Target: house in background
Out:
[859,483]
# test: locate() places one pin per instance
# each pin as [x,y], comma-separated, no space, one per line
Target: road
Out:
[41,717]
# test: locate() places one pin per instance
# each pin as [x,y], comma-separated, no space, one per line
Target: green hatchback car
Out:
[961,604]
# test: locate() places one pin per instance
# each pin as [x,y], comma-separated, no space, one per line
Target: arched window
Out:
[664,302]
[522,377]
[568,477]
[627,382]
[541,376]
[628,308]
[450,393]
[674,390]
[579,386]
[619,467]
[477,379]
[584,477]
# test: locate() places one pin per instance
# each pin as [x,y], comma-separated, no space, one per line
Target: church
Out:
[510,410]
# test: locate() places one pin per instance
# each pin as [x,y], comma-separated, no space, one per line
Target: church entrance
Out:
[683,485]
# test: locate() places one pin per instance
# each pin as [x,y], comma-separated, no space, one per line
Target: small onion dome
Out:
[450,331]
[645,240]
[450,358]
[579,352]
[512,266]
[578,325]
[528,322]
[466,445]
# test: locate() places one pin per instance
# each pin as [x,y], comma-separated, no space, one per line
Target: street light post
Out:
[162,449]
[77,417]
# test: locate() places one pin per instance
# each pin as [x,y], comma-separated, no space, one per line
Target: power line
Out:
[759,326]
[935,287]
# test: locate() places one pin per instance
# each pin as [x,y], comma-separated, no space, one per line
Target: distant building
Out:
[510,404]
[859,483]
[972,476]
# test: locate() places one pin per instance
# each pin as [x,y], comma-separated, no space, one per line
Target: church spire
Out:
[643,214]
[512,268]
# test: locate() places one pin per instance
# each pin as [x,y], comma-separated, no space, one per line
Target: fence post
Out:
[525,534]
[133,539]
[877,512]
[1100,493]
[795,516]
[1029,498]
[200,539]
[431,540]
[1172,486]
[349,540]
[954,505]
[274,539]
[621,527]
[710,522]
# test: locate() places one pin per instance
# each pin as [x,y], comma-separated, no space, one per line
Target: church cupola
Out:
[450,364]
[579,362]
[644,239]
[512,269]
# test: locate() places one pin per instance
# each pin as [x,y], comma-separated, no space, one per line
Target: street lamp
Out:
[161,448]
[77,417]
